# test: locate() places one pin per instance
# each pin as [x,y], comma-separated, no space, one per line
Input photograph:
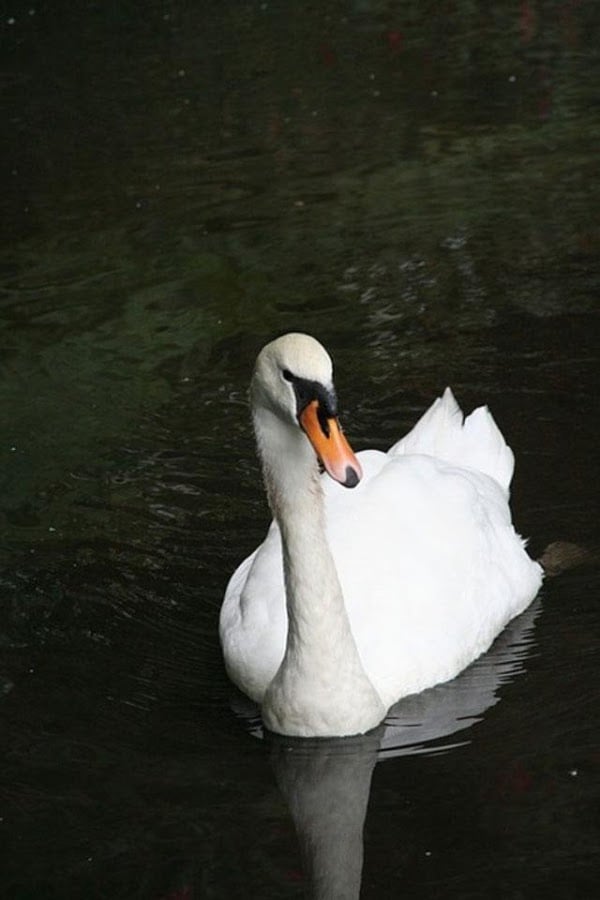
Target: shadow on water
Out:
[418,188]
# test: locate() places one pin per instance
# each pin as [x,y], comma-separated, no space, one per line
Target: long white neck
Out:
[321,688]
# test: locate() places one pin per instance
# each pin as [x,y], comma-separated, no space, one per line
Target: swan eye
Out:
[287,375]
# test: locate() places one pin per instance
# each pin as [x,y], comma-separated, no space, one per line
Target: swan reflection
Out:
[326,782]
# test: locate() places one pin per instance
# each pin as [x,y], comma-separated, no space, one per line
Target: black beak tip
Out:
[352,477]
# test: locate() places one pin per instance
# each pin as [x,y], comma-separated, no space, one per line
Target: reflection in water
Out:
[326,782]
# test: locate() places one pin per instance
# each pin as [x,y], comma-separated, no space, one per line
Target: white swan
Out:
[359,597]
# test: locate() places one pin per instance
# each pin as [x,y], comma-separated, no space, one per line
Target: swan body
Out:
[359,597]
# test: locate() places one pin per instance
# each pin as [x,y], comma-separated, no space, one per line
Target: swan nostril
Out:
[352,477]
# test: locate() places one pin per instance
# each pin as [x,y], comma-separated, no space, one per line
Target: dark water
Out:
[416,184]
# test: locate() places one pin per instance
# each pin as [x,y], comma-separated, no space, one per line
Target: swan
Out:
[382,576]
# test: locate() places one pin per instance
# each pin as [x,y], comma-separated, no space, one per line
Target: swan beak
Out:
[330,445]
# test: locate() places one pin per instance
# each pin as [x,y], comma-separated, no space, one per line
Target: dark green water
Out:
[415,184]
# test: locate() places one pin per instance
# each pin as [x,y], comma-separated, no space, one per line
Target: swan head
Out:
[293,381]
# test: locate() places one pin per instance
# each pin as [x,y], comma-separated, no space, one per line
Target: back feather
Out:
[475,442]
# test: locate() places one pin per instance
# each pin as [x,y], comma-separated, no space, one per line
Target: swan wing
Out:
[474,442]
[431,568]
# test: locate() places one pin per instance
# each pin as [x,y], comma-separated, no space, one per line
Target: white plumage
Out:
[429,564]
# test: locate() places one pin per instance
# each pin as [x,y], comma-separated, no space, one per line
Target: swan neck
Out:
[321,688]
[297,502]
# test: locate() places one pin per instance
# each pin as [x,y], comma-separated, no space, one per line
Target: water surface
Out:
[416,187]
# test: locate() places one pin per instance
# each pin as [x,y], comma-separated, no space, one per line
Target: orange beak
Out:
[331,446]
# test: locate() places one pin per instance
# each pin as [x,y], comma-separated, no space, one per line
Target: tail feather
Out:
[475,442]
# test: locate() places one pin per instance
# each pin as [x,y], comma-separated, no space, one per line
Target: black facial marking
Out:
[323,420]
[306,391]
